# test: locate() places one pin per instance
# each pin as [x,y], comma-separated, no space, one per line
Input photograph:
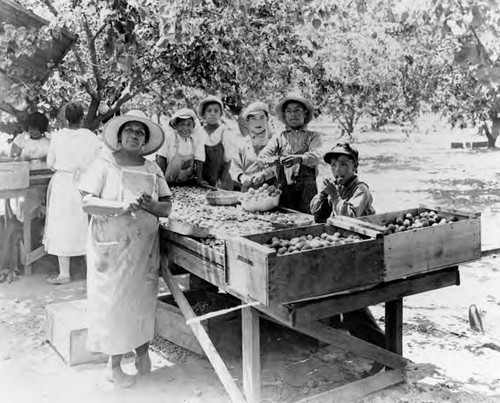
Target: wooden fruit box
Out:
[257,272]
[425,249]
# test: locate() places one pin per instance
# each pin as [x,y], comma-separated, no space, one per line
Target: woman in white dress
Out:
[71,152]
[125,194]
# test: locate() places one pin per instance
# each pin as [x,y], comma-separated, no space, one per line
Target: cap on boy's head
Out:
[342,149]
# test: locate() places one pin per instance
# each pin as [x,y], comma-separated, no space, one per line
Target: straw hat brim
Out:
[182,114]
[293,98]
[253,108]
[156,134]
[208,100]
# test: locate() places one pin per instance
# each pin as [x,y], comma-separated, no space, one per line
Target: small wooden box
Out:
[14,175]
[66,330]
[426,249]
[171,324]
[259,273]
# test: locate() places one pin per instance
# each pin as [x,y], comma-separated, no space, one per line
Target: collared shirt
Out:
[221,134]
[175,144]
[293,142]
[355,200]
[245,162]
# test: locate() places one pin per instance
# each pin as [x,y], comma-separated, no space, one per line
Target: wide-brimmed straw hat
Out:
[156,134]
[208,100]
[255,107]
[295,98]
[184,113]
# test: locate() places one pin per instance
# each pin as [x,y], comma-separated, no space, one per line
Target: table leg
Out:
[250,327]
[394,325]
[27,234]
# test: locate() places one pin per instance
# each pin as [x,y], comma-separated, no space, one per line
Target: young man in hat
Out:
[246,169]
[182,145]
[346,195]
[295,152]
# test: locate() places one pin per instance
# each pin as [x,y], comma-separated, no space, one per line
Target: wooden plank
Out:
[304,312]
[168,237]
[352,344]
[246,270]
[27,233]
[358,389]
[358,226]
[452,211]
[202,336]
[36,254]
[195,264]
[394,326]
[251,354]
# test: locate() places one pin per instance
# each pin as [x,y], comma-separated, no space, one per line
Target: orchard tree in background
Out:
[468,90]
[244,51]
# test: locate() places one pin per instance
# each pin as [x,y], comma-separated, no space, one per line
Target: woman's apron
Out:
[122,278]
[298,185]
[180,168]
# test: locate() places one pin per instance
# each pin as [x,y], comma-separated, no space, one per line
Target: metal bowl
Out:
[222,198]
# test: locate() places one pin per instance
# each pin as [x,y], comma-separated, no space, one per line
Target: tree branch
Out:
[99,31]
[93,94]
[93,55]
[51,7]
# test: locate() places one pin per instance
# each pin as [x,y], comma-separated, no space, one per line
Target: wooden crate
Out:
[171,324]
[430,248]
[66,330]
[257,272]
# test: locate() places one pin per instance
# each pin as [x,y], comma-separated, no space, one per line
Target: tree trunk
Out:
[492,134]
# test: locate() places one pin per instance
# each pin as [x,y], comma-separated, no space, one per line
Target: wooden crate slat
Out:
[306,311]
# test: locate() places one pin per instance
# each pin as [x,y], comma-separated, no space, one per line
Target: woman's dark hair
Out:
[74,112]
[37,120]
[208,104]
[120,130]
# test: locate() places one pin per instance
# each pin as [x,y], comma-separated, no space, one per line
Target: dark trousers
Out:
[361,324]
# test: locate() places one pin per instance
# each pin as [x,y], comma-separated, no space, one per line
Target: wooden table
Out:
[302,316]
[28,256]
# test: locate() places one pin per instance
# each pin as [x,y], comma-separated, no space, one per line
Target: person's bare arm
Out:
[160,208]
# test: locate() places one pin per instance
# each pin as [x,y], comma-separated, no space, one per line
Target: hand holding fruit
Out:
[330,188]
[291,160]
[258,179]
[246,180]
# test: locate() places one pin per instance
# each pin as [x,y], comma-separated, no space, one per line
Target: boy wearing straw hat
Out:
[295,152]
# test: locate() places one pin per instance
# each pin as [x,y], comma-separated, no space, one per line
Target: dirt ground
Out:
[452,363]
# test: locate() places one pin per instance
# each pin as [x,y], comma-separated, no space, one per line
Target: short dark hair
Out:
[179,120]
[210,103]
[297,102]
[120,130]
[74,112]
[37,120]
